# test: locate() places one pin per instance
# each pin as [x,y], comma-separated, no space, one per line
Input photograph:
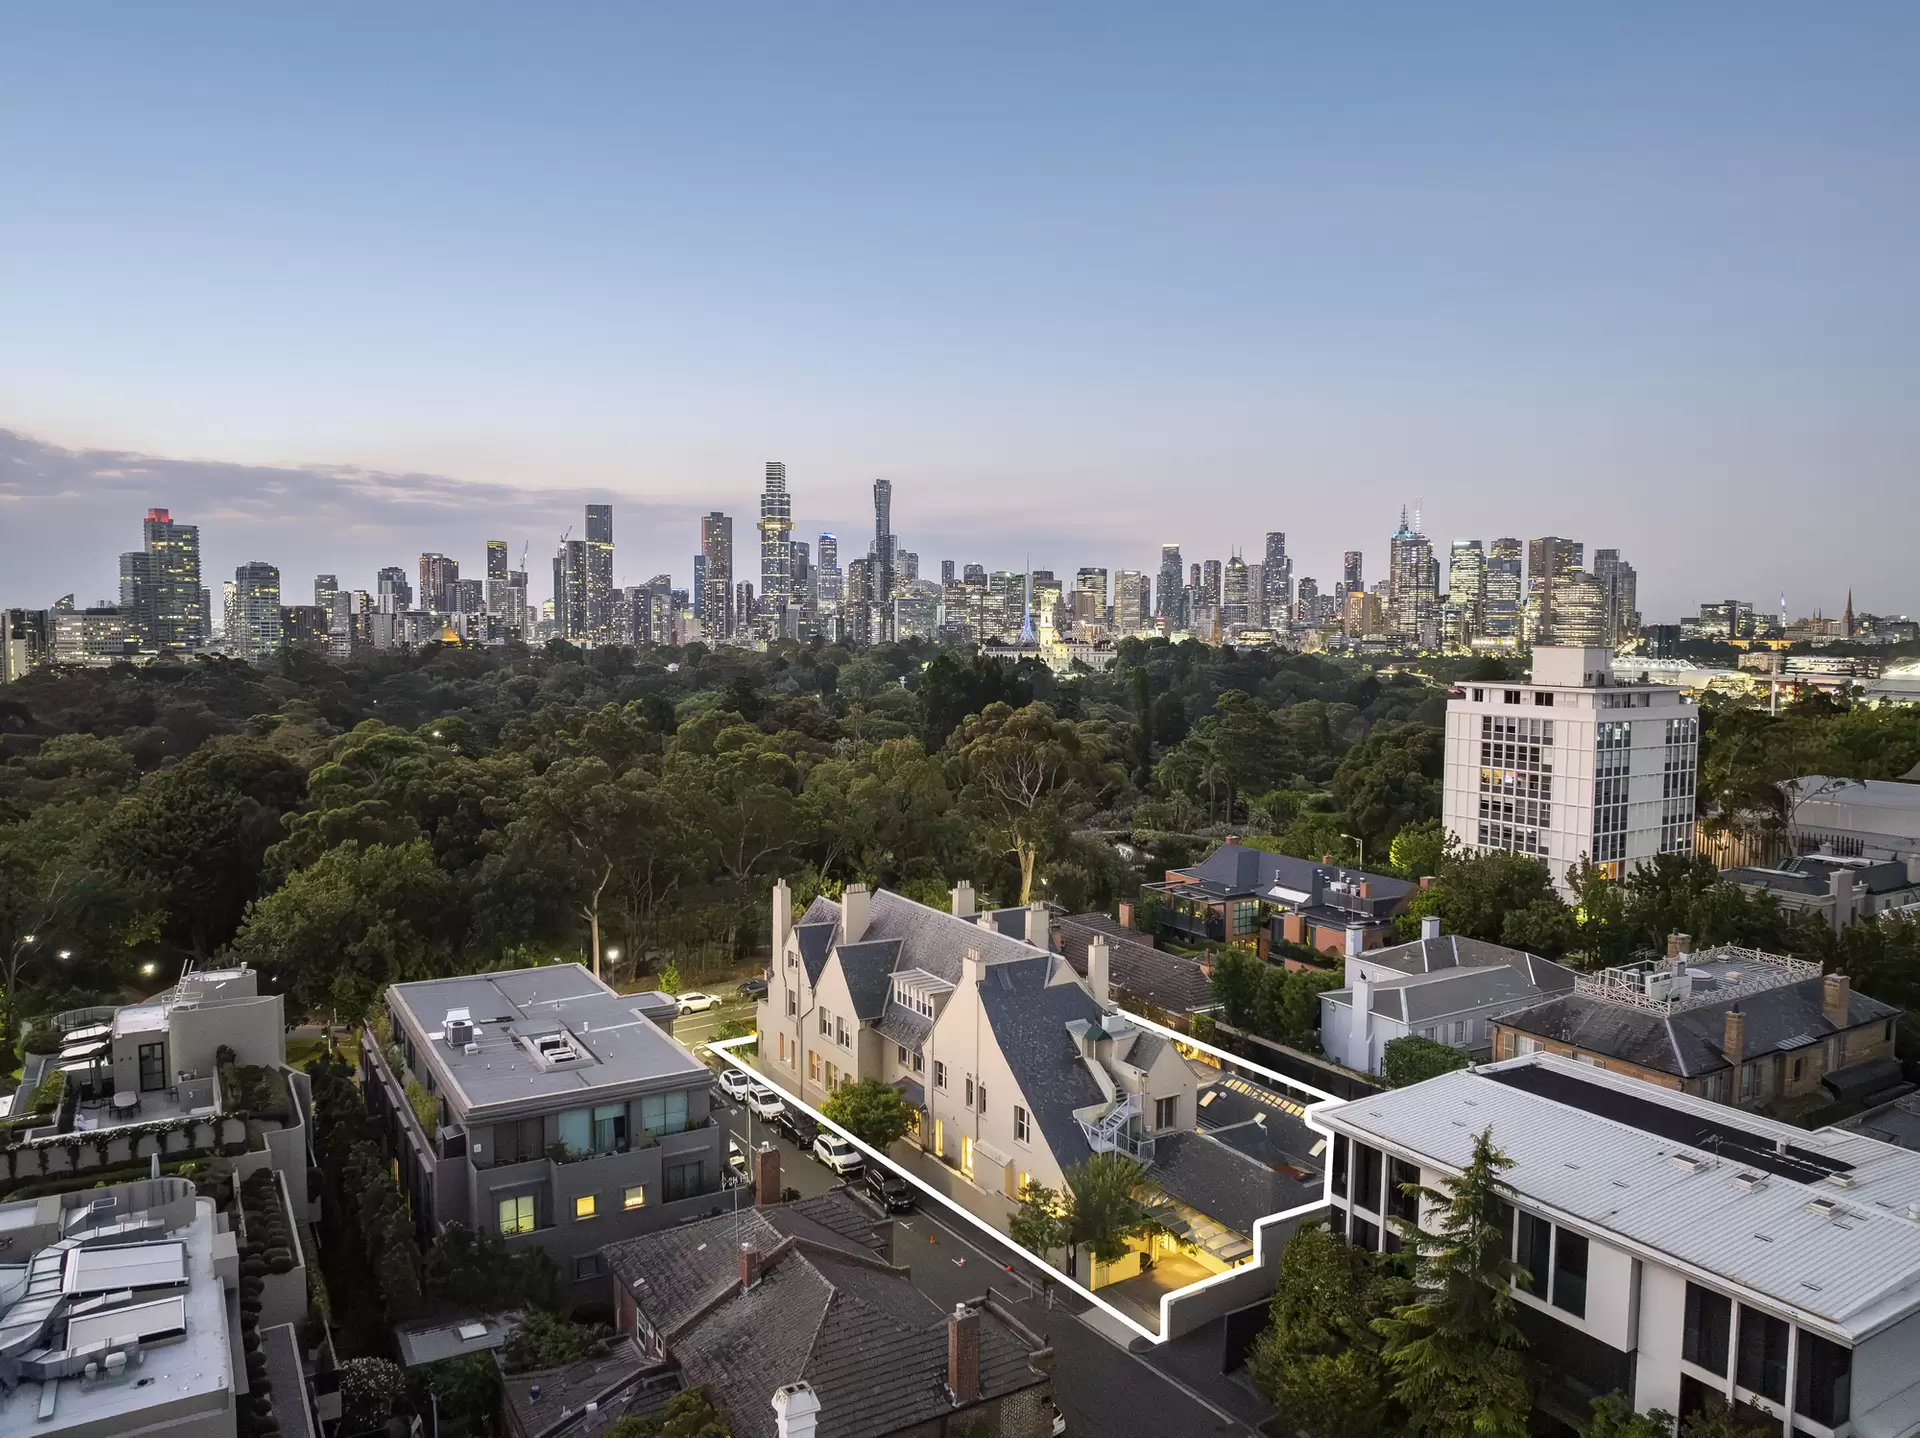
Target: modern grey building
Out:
[564,1116]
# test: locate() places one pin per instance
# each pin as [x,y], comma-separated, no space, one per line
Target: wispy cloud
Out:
[69,513]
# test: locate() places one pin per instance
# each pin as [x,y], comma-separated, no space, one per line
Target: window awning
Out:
[911,1091]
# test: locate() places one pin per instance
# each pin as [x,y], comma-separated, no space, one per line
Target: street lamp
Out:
[1360,845]
[66,953]
[148,968]
[613,956]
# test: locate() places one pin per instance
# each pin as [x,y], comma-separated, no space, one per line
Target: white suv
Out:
[764,1102]
[837,1154]
[735,1085]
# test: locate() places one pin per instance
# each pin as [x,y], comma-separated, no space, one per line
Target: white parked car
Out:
[736,1157]
[735,1084]
[698,1003]
[764,1102]
[837,1154]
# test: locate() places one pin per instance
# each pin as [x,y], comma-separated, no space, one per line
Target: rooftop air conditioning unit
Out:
[1659,985]
[459,1033]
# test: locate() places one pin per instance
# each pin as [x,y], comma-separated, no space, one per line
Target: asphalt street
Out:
[694,1030]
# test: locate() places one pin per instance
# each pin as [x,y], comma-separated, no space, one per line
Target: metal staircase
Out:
[1112,1131]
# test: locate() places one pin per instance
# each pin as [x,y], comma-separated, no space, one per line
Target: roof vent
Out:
[1691,1162]
[1826,1208]
[1749,1179]
[1840,1180]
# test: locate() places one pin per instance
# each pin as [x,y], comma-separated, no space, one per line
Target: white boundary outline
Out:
[1261,1228]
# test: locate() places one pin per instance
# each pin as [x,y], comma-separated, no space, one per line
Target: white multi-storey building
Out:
[1673,1250]
[1574,763]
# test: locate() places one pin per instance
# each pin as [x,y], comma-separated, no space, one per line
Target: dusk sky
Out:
[346,282]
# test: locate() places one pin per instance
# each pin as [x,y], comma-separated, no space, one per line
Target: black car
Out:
[753,989]
[798,1127]
[889,1190]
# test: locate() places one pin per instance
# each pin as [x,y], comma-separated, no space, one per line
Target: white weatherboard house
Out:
[1677,1249]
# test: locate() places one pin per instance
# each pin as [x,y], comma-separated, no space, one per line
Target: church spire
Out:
[1846,622]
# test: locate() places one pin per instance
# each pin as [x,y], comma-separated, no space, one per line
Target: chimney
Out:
[1426,881]
[1126,906]
[750,1262]
[962,895]
[1360,1055]
[1037,924]
[1366,888]
[1098,977]
[796,1410]
[1678,944]
[1913,868]
[1356,940]
[782,918]
[855,903]
[963,1355]
[1733,1039]
[1836,999]
[970,969]
[1326,858]
[766,1174]
[1840,887]
[1429,927]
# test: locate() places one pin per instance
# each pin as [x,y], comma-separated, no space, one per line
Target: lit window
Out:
[966,1155]
[585,1205]
[635,1197]
[516,1215]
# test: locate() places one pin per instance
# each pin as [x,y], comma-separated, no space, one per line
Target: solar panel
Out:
[1728,1140]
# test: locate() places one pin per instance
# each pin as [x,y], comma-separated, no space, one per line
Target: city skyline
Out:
[1150,277]
[356,522]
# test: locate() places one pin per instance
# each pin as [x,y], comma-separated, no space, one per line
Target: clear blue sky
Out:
[1078,279]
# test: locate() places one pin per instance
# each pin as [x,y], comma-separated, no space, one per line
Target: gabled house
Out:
[1015,1066]
[1238,895]
[796,1328]
[1439,987]
[1733,1025]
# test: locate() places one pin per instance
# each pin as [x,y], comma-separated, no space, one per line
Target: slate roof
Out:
[904,1026]
[930,939]
[1687,1042]
[1167,981]
[1029,1021]
[1264,1128]
[816,938]
[1236,869]
[619,1380]
[1418,997]
[1223,1183]
[868,967]
[1144,1050]
[1453,951]
[872,1345]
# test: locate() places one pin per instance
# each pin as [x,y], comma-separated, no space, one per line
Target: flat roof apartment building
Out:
[1572,764]
[563,1117]
[1674,1249]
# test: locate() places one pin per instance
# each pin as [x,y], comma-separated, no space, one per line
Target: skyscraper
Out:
[599,578]
[1549,561]
[1276,581]
[1620,584]
[571,611]
[257,610]
[136,596]
[1466,591]
[1351,575]
[325,586]
[1235,603]
[776,551]
[946,571]
[1132,610]
[1413,580]
[163,584]
[1500,607]
[1089,599]
[1167,603]
[829,589]
[437,576]
[394,594]
[883,559]
[713,597]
